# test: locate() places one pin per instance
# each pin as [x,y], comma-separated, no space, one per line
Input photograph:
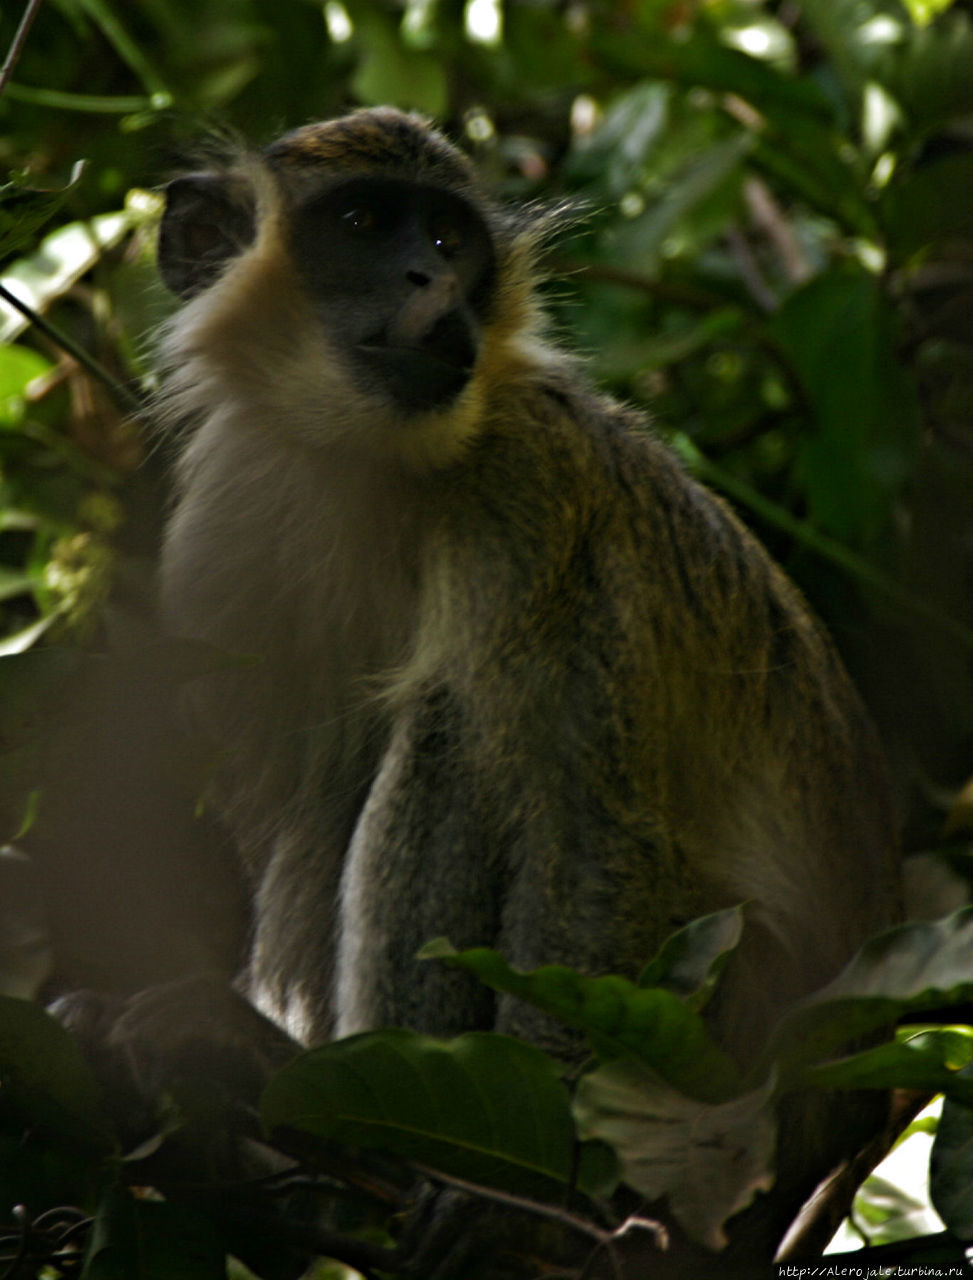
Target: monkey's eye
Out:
[360,218]
[447,236]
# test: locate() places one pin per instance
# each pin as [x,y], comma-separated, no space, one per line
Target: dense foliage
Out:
[774,253]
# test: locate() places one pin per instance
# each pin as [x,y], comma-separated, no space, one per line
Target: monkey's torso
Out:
[550,697]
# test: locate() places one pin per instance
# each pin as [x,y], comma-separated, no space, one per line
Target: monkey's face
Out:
[351,286]
[400,275]
[374,221]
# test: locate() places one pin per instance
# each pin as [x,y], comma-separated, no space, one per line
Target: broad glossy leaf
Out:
[931,207]
[148,1240]
[689,963]
[920,1063]
[639,243]
[951,1166]
[62,259]
[618,1016]
[794,119]
[391,72]
[838,333]
[653,49]
[18,366]
[45,1077]
[708,1160]
[931,73]
[921,965]
[483,1107]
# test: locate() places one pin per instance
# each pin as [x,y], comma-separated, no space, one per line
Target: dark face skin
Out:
[400,274]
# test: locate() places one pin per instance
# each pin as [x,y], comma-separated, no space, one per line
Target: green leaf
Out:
[690,962]
[916,966]
[888,1212]
[930,207]
[62,259]
[838,333]
[616,155]
[16,584]
[640,242]
[923,11]
[847,30]
[704,61]
[618,1017]
[542,50]
[129,50]
[22,214]
[794,120]
[708,1160]
[389,71]
[18,367]
[951,1165]
[148,1240]
[931,73]
[483,1107]
[920,1063]
[89,103]
[46,1079]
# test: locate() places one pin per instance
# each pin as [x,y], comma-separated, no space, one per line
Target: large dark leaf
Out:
[483,1107]
[920,1062]
[931,208]
[45,1077]
[922,965]
[689,963]
[839,335]
[618,1017]
[951,1166]
[709,1161]
[146,1240]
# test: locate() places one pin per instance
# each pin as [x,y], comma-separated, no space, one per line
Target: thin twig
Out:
[125,399]
[554,1212]
[750,273]
[770,219]
[606,273]
[18,42]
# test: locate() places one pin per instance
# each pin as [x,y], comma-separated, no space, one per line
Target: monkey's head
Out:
[363,254]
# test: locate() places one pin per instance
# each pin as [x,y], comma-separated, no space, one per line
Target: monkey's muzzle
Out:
[424,372]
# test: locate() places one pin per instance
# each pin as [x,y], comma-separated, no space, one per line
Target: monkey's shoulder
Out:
[596,462]
[607,514]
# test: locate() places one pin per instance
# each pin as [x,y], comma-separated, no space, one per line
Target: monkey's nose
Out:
[430,301]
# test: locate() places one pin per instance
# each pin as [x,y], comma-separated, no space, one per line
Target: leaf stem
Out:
[551,1211]
[18,42]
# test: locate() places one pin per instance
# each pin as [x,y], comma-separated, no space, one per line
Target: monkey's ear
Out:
[209,218]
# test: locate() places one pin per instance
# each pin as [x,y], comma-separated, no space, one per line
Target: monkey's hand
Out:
[195,1042]
[182,1066]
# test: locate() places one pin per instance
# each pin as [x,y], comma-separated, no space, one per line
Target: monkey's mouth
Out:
[427,374]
